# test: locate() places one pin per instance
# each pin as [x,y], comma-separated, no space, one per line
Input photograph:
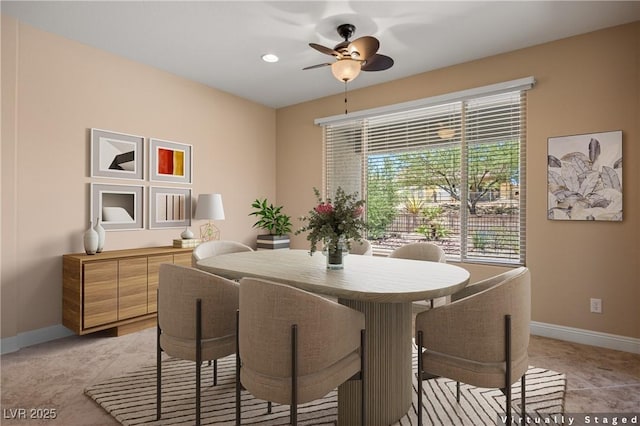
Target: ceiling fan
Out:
[353,56]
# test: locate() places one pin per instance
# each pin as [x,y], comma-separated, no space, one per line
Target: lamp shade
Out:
[345,69]
[209,207]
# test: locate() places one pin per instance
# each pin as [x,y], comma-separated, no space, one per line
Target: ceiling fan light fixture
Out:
[446,132]
[345,69]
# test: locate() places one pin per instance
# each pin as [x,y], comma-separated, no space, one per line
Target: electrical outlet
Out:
[596,306]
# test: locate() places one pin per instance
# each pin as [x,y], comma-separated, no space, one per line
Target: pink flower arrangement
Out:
[324,208]
[335,222]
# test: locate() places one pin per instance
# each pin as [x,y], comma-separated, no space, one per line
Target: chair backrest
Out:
[218,247]
[362,247]
[420,251]
[178,289]
[478,320]
[327,331]
[482,285]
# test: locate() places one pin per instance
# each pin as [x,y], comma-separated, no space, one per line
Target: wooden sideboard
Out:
[114,289]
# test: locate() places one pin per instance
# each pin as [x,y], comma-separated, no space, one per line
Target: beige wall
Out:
[53,91]
[589,83]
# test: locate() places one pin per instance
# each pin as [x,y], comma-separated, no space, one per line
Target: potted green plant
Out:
[272,219]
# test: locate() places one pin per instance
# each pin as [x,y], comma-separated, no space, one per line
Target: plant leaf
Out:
[555,179]
[594,149]
[580,165]
[597,200]
[610,178]
[618,163]
[553,161]
[589,183]
[559,214]
[570,176]
[571,155]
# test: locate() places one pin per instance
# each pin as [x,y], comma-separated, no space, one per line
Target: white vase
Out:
[90,240]
[101,235]
[186,234]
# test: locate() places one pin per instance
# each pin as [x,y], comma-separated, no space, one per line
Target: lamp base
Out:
[209,232]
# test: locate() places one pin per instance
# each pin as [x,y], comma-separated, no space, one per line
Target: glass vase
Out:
[335,253]
[335,259]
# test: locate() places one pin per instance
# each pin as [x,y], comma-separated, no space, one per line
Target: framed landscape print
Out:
[116,155]
[169,161]
[584,177]
[119,207]
[169,207]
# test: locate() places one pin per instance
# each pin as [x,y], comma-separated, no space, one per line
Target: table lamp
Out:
[209,207]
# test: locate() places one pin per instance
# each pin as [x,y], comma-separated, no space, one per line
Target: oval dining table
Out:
[380,287]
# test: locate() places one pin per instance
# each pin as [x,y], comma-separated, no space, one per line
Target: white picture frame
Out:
[169,207]
[116,155]
[170,161]
[118,207]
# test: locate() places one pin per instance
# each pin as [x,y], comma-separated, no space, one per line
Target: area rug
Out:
[130,399]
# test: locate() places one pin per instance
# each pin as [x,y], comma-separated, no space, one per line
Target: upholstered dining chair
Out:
[421,251]
[480,339]
[216,248]
[196,321]
[362,247]
[295,346]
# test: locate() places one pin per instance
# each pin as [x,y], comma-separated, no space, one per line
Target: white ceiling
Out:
[219,43]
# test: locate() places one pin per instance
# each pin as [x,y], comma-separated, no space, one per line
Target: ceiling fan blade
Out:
[377,63]
[316,66]
[363,47]
[326,50]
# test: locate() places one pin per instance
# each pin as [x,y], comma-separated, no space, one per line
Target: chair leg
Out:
[269,407]
[215,372]
[237,369]
[522,395]
[507,353]
[363,387]
[294,375]
[419,407]
[158,375]
[458,392]
[198,356]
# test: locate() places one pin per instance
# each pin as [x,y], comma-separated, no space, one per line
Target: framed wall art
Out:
[584,177]
[116,155]
[119,207]
[169,207]
[169,161]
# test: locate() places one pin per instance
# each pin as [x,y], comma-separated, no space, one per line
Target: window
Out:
[448,172]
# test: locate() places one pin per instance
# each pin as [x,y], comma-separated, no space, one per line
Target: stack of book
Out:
[186,242]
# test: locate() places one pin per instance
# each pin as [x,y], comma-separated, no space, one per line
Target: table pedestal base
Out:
[388,375]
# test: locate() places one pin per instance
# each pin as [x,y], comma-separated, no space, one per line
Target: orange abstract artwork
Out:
[170,162]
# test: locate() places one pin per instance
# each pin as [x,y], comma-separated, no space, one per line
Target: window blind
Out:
[450,173]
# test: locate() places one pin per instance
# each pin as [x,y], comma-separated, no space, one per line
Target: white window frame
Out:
[520,85]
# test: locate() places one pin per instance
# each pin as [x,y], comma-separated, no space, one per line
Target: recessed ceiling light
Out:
[270,57]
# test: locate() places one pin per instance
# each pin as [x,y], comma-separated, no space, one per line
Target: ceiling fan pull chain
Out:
[345,97]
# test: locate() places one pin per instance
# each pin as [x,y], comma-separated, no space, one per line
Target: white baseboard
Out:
[29,338]
[586,337]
